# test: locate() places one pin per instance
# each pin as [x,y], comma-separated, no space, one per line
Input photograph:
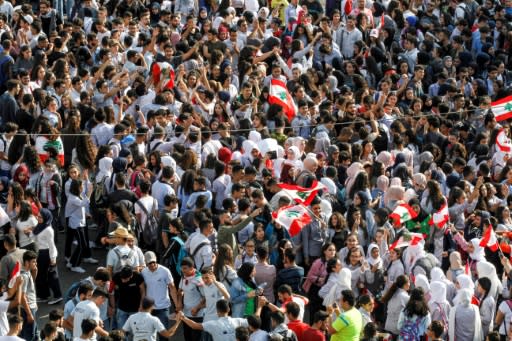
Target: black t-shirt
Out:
[127,294]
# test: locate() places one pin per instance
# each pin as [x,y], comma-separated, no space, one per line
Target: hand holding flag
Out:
[407,239]
[402,214]
[14,274]
[293,218]
[441,217]
[489,239]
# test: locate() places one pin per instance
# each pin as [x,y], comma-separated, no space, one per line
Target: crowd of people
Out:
[175,135]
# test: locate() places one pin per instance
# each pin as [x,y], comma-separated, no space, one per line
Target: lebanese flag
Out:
[502,108]
[279,95]
[302,195]
[348,7]
[293,218]
[402,214]
[409,239]
[503,143]
[14,274]
[164,71]
[489,239]
[441,217]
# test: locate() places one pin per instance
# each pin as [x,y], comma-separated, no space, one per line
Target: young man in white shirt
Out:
[89,309]
[88,327]
[144,326]
[15,326]
[5,141]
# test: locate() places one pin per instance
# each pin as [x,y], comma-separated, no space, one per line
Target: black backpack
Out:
[149,231]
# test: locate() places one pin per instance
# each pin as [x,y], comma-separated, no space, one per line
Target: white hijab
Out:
[464,299]
[104,168]
[465,282]
[478,253]
[372,261]
[295,162]
[438,292]
[486,269]
[421,281]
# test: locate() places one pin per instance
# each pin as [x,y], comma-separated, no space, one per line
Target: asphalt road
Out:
[67,278]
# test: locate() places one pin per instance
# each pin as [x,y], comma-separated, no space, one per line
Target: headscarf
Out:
[421,281]
[413,254]
[438,292]
[47,221]
[254,136]
[463,299]
[486,269]
[383,183]
[373,261]
[248,146]
[465,282]
[385,158]
[345,279]
[455,260]
[352,172]
[478,253]
[295,162]
[105,168]
[119,164]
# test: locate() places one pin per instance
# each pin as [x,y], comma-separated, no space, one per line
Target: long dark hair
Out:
[25,211]
[187,181]
[244,273]
[399,283]
[486,284]
[417,304]
[178,225]
[225,258]
[18,143]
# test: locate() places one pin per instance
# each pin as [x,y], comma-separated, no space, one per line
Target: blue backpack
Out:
[181,254]
[410,331]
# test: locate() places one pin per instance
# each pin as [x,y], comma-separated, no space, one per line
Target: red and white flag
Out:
[407,239]
[163,71]
[302,195]
[14,274]
[503,143]
[402,214]
[441,217]
[279,95]
[489,239]
[502,108]
[293,218]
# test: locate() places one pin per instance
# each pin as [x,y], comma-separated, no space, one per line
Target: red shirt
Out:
[312,334]
[298,328]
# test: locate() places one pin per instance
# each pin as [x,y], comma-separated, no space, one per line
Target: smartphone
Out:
[335,305]
[137,107]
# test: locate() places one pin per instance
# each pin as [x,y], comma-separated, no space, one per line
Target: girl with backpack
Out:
[396,299]
[438,304]
[174,238]
[415,318]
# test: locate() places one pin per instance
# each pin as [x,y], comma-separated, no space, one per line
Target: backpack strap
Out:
[199,247]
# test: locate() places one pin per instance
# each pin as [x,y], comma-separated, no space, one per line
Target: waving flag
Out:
[302,195]
[14,274]
[293,218]
[163,71]
[502,108]
[279,95]
[503,143]
[407,239]
[402,214]
[441,217]
[489,239]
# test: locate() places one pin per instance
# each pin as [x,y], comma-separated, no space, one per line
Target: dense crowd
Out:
[256,169]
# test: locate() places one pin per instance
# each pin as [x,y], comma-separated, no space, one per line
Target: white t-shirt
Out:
[157,285]
[11,338]
[84,310]
[4,147]
[114,260]
[507,312]
[212,294]
[148,202]
[4,324]
[21,226]
[223,329]
[143,326]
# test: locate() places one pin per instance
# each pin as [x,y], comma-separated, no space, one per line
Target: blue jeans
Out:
[121,317]
[29,330]
[163,316]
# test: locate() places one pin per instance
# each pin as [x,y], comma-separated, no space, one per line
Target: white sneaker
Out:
[67,259]
[54,300]
[68,265]
[92,244]
[78,269]
[90,260]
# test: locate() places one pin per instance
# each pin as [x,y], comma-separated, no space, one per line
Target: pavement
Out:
[67,278]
